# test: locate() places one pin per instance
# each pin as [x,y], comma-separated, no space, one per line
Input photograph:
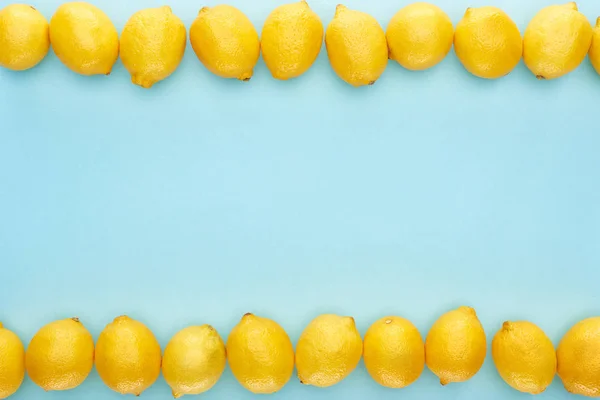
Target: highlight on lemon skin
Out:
[487,42]
[291,39]
[356,46]
[455,347]
[419,36]
[394,352]
[60,355]
[524,357]
[260,354]
[12,362]
[24,37]
[556,41]
[194,360]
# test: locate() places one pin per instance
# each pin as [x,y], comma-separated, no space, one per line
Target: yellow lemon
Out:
[577,355]
[128,356]
[594,52]
[356,46]
[291,40]
[84,38]
[487,42]
[328,350]
[152,45]
[455,347]
[24,37]
[556,41]
[12,363]
[225,42]
[524,357]
[394,352]
[194,360]
[60,355]
[260,354]
[419,36]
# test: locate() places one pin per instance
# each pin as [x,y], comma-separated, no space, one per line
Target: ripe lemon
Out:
[225,42]
[260,354]
[12,362]
[556,41]
[152,45]
[524,356]
[594,52]
[488,43]
[328,350]
[291,40]
[577,354]
[24,37]
[455,347]
[84,38]
[194,360]
[419,36]
[394,352]
[356,46]
[60,355]
[128,356]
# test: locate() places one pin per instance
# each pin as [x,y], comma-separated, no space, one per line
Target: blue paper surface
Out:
[202,199]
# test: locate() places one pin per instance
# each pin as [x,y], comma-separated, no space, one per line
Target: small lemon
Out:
[24,37]
[260,354]
[594,52]
[419,36]
[60,355]
[194,360]
[225,42]
[356,46]
[328,350]
[524,356]
[455,347]
[152,45]
[577,355]
[12,363]
[84,38]
[556,41]
[128,356]
[291,40]
[487,42]
[394,352]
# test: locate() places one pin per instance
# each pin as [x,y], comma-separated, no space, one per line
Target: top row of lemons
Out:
[486,40]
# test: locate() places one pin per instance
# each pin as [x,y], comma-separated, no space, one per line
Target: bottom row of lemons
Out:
[261,356]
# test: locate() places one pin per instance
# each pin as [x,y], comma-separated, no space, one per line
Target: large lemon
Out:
[455,347]
[577,356]
[128,356]
[194,360]
[524,356]
[487,42]
[291,40]
[12,362]
[356,46]
[24,37]
[394,352]
[60,355]
[556,41]
[260,354]
[419,36]
[328,350]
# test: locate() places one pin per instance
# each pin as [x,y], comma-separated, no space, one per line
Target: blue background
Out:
[203,199]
